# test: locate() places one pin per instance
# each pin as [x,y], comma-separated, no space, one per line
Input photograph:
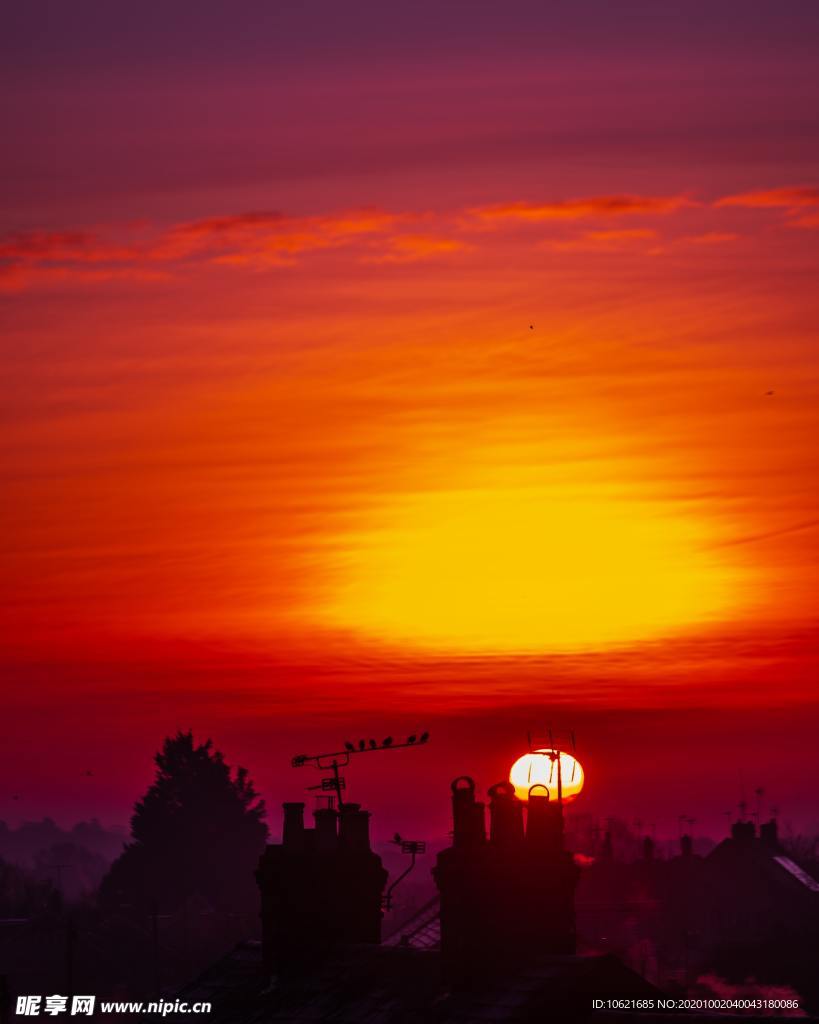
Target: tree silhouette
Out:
[197,833]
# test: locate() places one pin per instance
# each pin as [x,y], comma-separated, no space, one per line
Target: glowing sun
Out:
[540,768]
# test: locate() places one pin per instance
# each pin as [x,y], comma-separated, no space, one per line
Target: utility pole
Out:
[70,943]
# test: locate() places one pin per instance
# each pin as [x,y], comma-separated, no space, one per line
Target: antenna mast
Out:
[335,760]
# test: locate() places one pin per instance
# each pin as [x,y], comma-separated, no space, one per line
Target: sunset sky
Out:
[418,365]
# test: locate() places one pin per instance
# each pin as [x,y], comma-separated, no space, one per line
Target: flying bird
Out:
[769,393]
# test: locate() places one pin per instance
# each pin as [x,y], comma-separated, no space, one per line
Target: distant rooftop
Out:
[798,873]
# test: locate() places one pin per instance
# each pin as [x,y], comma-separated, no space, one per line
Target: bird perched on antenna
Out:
[349,746]
[387,742]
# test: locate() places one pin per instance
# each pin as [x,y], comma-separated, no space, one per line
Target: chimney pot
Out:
[505,815]
[354,827]
[326,819]
[469,829]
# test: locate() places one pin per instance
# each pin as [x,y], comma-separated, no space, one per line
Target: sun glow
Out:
[540,768]
[527,569]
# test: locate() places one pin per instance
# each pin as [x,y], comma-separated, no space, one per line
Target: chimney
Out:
[769,834]
[326,819]
[468,825]
[320,888]
[743,831]
[648,848]
[544,824]
[293,826]
[686,846]
[354,828]
[507,899]
[505,816]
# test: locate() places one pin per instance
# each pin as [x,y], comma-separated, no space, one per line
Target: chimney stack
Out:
[320,888]
[507,899]
[326,829]
[293,826]
[743,831]
[354,828]
[769,834]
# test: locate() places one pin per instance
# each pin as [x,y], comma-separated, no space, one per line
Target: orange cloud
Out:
[709,238]
[229,224]
[260,239]
[268,238]
[407,248]
[263,240]
[622,234]
[794,199]
[60,247]
[808,221]
[60,256]
[18,278]
[791,197]
[580,209]
[603,241]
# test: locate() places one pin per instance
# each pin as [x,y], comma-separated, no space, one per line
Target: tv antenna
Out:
[411,846]
[553,752]
[335,760]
